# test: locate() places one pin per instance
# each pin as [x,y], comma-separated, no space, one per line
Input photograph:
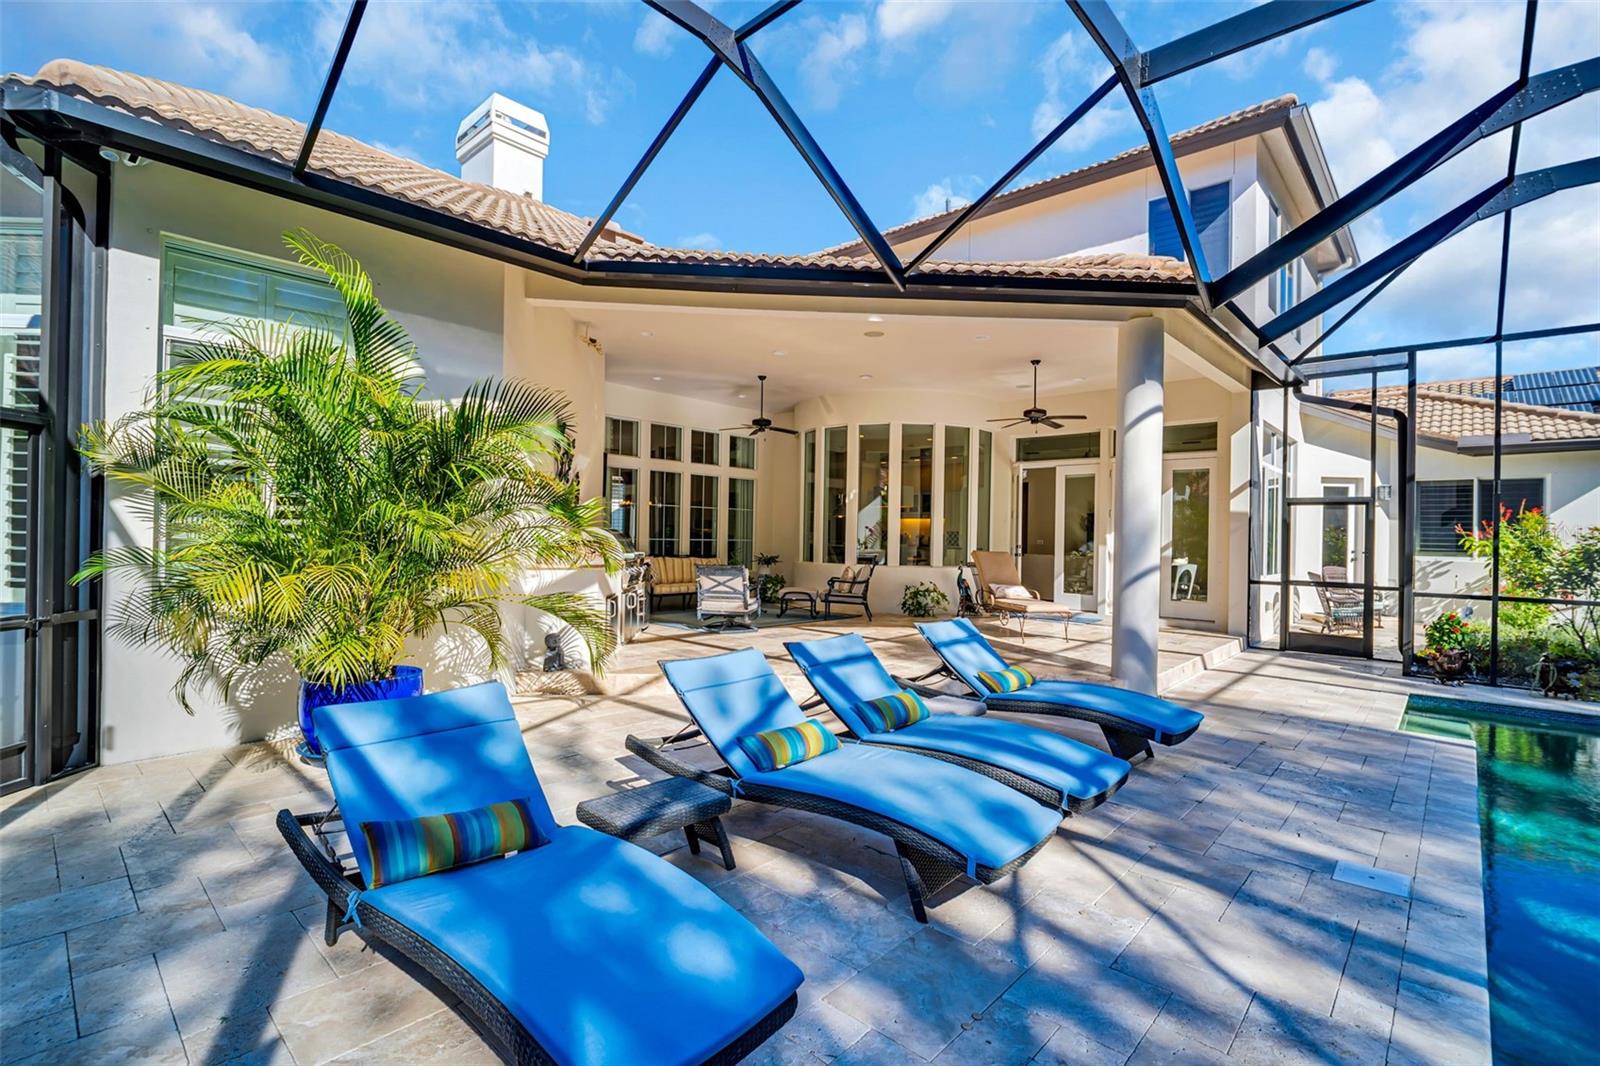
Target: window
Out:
[1210,209]
[1198,437]
[985,453]
[872,492]
[666,442]
[808,502]
[741,520]
[200,288]
[1059,446]
[665,486]
[702,516]
[916,495]
[1270,534]
[1517,494]
[622,436]
[834,490]
[957,463]
[1283,285]
[704,447]
[742,453]
[622,495]
[1442,506]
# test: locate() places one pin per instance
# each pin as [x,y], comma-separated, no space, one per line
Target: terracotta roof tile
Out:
[1099,267]
[1447,411]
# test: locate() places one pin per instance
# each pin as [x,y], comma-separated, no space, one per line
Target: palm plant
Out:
[312,503]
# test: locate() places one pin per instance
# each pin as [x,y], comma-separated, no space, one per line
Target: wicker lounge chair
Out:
[945,820]
[723,594]
[1130,720]
[1068,775]
[534,943]
[997,574]
[1342,608]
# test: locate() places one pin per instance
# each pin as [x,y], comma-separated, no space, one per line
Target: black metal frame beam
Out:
[1247,29]
[341,53]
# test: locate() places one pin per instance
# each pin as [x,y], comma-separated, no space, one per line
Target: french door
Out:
[1060,537]
[1189,536]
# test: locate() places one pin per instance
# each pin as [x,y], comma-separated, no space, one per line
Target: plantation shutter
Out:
[1441,507]
[1210,208]
[1517,493]
[204,288]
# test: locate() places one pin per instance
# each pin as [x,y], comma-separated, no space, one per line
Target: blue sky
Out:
[916,101]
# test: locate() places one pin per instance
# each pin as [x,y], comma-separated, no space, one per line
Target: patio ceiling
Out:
[715,353]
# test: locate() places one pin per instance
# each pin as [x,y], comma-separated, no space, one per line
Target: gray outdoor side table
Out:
[662,807]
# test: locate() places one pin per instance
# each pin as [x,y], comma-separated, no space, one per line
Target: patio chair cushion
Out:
[731,696]
[406,758]
[605,953]
[414,847]
[1162,717]
[894,711]
[1010,592]
[976,817]
[774,749]
[1011,679]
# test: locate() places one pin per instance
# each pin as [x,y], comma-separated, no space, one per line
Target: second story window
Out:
[1283,287]
[1210,208]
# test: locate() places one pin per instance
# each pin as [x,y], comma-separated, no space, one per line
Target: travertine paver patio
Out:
[152,914]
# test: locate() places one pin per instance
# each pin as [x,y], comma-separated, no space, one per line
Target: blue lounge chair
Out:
[1054,769]
[1130,720]
[945,820]
[584,949]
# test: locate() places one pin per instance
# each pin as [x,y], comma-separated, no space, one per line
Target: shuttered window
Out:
[1441,507]
[1210,208]
[1517,494]
[201,287]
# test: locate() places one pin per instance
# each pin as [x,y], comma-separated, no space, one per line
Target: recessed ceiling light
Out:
[647,333]
[1075,381]
[981,337]
[866,377]
[779,351]
[741,395]
[873,333]
[874,318]
[655,377]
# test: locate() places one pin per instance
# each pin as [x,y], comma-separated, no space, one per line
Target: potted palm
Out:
[314,505]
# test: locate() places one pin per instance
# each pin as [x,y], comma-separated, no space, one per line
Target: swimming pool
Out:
[1539,816]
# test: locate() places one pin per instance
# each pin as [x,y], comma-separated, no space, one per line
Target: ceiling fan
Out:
[760,423]
[1036,415]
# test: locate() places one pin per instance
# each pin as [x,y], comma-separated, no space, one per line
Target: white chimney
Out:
[504,144]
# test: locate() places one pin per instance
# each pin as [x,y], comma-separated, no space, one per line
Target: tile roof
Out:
[1282,104]
[260,132]
[1449,411]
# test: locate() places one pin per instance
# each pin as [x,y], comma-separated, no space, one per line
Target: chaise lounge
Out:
[1060,771]
[1130,720]
[945,820]
[577,948]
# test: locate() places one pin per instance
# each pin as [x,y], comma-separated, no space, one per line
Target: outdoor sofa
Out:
[579,949]
[1130,720]
[1054,769]
[945,820]
[673,575]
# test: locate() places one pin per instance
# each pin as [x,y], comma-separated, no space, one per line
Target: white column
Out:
[1135,618]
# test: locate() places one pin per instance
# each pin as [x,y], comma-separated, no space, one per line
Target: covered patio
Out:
[152,913]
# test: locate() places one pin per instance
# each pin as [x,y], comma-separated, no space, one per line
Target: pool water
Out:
[1539,815]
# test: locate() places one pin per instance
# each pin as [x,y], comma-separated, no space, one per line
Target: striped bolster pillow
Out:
[413,847]
[894,711]
[1011,679]
[777,748]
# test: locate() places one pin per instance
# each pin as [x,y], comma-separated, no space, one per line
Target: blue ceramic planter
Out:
[407,681]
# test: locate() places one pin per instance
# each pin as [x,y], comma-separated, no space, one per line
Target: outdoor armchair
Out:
[535,944]
[1342,608]
[1000,590]
[850,588]
[1130,720]
[1057,770]
[723,593]
[945,820]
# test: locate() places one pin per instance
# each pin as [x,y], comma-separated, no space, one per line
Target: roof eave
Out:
[1307,148]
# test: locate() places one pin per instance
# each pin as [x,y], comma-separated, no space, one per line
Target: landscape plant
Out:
[314,503]
[923,599]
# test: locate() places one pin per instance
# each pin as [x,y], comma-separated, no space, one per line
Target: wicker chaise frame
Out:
[504,1031]
[928,865]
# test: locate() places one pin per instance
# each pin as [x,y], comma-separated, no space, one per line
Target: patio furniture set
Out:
[464,870]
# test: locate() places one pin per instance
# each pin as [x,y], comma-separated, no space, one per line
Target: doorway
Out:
[1188,539]
[1060,548]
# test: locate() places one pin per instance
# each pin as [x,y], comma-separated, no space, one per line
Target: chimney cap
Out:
[497,106]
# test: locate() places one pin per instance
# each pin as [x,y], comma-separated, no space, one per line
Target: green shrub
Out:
[924,600]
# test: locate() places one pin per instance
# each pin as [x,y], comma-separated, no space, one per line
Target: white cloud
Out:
[943,195]
[898,19]
[1320,64]
[1069,68]
[834,58]
[707,241]
[656,34]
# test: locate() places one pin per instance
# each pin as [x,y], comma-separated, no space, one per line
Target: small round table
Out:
[663,807]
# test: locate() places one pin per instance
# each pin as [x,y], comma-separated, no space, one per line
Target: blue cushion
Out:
[845,673]
[1071,767]
[979,819]
[731,696]
[773,749]
[1162,717]
[606,953]
[963,649]
[389,760]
